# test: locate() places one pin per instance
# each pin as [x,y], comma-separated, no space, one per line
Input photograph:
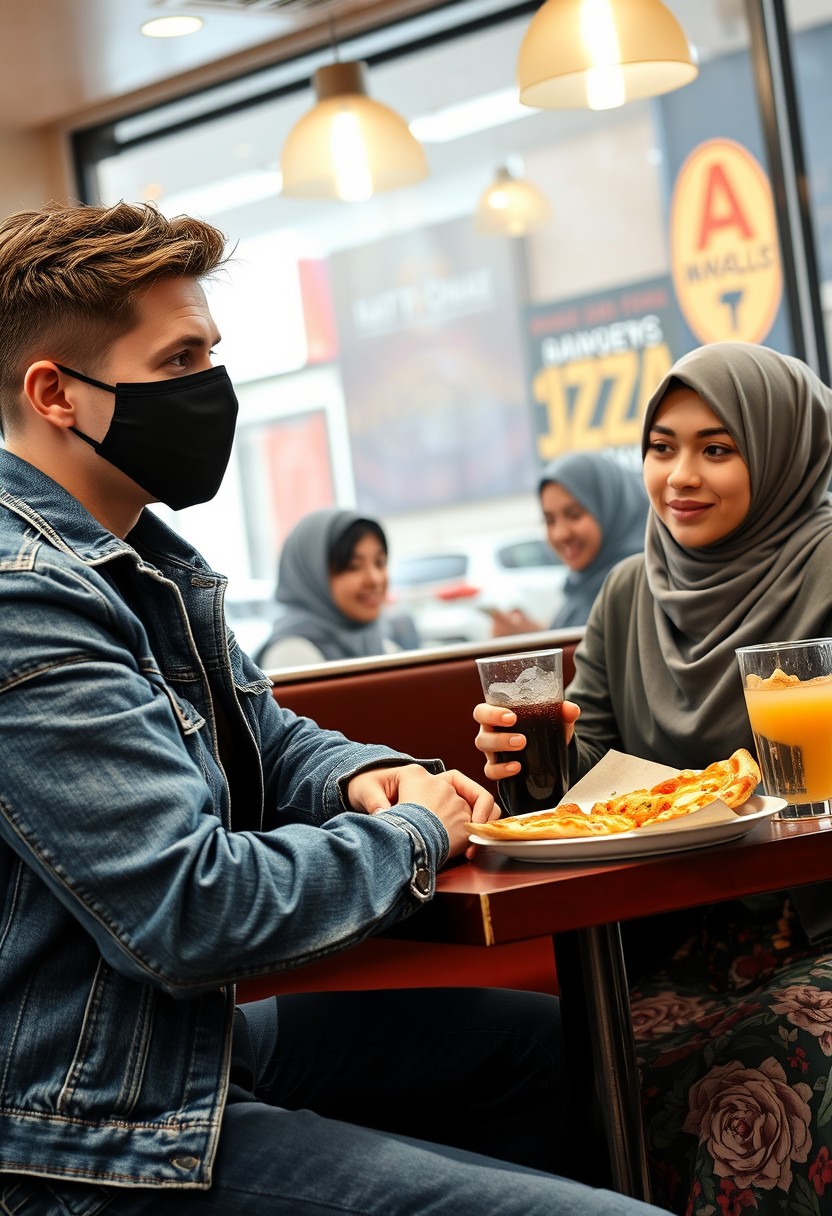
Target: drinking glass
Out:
[788,695]
[530,684]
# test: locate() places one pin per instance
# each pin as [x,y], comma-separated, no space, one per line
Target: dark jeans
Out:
[343,1109]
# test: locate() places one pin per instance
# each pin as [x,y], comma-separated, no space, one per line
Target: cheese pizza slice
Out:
[731,781]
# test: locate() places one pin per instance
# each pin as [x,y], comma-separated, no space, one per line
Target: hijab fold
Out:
[307,609]
[770,579]
[615,497]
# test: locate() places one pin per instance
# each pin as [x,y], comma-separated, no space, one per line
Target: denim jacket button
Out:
[421,880]
[186,1164]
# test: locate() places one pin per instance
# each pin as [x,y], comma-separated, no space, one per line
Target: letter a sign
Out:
[724,246]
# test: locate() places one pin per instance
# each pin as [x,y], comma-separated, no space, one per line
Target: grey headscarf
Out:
[768,580]
[615,497]
[308,610]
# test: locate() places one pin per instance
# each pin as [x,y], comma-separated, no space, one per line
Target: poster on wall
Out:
[724,247]
[595,363]
[433,368]
[722,233]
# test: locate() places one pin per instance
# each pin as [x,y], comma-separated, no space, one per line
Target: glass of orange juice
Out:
[788,695]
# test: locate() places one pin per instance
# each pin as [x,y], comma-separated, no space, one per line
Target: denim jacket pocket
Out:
[189,718]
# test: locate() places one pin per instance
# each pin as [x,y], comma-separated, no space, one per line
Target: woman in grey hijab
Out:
[331,589]
[668,625]
[734,1022]
[595,510]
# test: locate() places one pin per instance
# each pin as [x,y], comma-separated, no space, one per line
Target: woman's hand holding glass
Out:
[490,739]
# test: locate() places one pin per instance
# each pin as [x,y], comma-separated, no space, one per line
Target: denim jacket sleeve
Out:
[117,806]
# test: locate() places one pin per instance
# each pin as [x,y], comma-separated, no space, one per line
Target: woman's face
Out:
[696,479]
[361,589]
[573,533]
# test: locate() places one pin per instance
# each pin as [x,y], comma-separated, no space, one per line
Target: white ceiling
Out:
[65,58]
[68,60]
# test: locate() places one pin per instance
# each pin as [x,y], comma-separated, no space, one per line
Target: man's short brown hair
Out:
[71,278]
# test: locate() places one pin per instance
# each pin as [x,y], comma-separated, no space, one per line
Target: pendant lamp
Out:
[511,206]
[348,146]
[598,54]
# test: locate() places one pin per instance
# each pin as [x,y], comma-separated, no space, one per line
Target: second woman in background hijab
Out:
[595,511]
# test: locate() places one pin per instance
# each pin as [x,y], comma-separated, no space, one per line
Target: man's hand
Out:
[489,741]
[451,796]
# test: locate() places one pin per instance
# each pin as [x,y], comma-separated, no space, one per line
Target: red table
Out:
[492,900]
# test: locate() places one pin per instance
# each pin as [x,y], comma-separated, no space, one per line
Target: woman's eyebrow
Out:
[703,434]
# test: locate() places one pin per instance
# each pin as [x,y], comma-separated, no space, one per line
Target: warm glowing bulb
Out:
[605,88]
[605,79]
[353,180]
[598,32]
[171,27]
[498,199]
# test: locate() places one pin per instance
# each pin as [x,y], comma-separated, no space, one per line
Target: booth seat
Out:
[420,702]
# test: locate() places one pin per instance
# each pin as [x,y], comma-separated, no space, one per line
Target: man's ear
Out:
[43,386]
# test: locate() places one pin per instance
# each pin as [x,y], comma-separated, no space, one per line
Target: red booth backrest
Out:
[420,703]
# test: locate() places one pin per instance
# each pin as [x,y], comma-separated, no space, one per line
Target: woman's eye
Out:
[659,446]
[718,449]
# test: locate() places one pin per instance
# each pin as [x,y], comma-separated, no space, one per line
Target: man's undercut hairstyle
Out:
[71,278]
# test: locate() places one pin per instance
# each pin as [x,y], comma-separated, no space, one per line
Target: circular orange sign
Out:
[724,247]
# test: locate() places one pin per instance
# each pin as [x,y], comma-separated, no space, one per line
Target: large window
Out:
[389,355]
[810,24]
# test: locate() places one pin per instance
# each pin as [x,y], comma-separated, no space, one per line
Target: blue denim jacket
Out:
[145,865]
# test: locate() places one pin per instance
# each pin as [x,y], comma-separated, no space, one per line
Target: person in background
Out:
[732,1005]
[331,589]
[596,512]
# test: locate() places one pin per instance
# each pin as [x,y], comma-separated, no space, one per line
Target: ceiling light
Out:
[601,53]
[511,206]
[348,146]
[171,27]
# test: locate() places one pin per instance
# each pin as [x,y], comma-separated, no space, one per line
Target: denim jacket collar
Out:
[65,523]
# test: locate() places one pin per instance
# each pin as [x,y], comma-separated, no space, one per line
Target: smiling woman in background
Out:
[331,588]
[595,511]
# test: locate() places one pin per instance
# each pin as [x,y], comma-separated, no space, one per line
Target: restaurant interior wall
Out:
[609,178]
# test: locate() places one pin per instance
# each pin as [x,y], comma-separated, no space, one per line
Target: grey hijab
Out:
[771,578]
[307,607]
[616,498]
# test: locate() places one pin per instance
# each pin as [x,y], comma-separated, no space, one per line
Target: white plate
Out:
[637,842]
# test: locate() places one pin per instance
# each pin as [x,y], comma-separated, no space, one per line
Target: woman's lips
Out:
[568,553]
[687,510]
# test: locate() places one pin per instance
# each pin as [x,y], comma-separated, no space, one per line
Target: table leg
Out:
[596,1019]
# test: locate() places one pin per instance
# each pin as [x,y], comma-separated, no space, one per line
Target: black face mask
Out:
[172,437]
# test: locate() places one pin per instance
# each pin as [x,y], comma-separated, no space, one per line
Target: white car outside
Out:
[448,591]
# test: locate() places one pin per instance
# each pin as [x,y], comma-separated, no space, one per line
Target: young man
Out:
[165,828]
